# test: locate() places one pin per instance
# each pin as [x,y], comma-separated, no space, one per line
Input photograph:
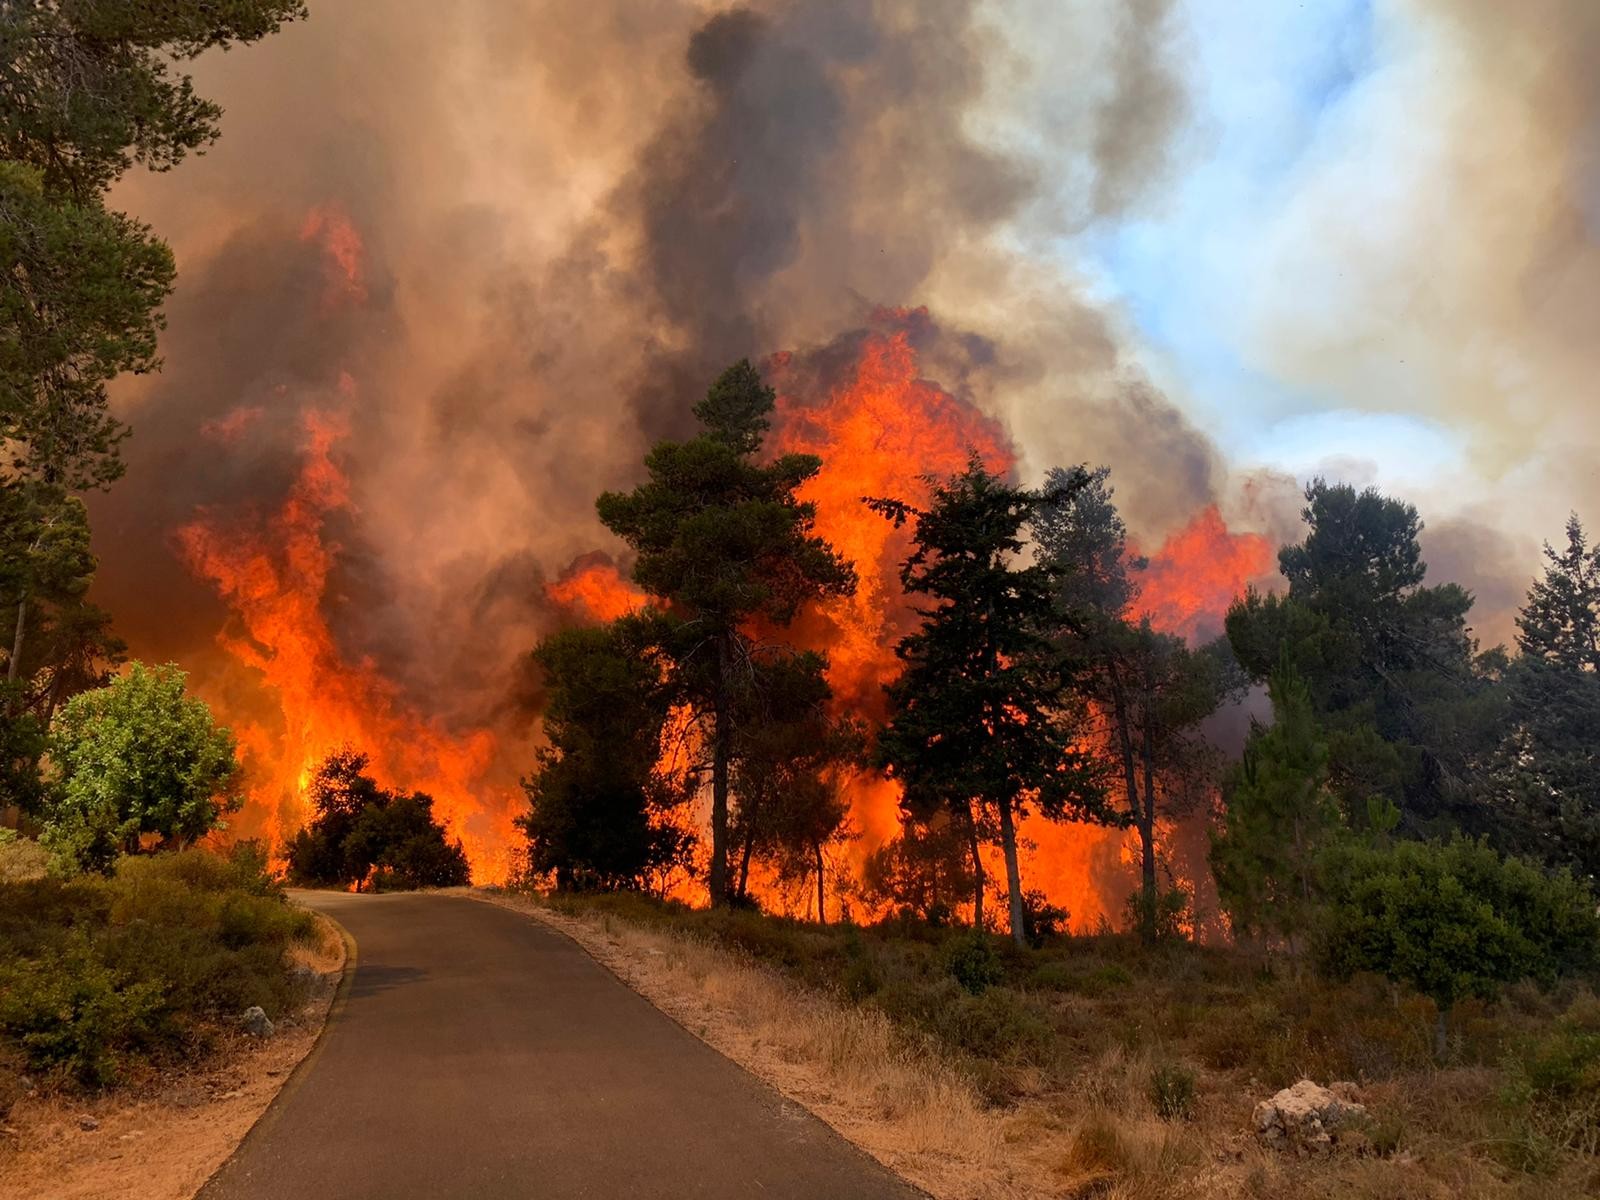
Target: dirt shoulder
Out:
[162,1139]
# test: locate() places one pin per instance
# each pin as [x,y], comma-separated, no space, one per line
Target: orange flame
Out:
[273,572]
[593,588]
[1196,574]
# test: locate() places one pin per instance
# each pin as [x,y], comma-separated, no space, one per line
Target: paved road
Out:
[481,1054]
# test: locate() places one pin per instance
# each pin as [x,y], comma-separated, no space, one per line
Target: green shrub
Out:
[973,962]
[1453,920]
[71,1009]
[1171,1091]
[97,968]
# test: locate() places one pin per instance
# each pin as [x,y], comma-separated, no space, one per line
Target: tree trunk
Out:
[822,905]
[1130,780]
[744,865]
[14,667]
[977,870]
[721,753]
[1147,840]
[1440,1042]
[1008,841]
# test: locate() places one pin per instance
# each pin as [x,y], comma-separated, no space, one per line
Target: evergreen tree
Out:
[601,814]
[722,538]
[1151,690]
[1278,818]
[789,755]
[364,836]
[977,720]
[1405,699]
[1544,781]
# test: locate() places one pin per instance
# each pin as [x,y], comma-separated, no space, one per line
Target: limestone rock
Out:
[256,1022]
[1307,1116]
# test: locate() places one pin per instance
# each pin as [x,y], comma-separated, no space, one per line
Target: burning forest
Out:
[898,525]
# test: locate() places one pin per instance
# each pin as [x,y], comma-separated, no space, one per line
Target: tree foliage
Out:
[723,539]
[79,305]
[1453,919]
[978,720]
[365,836]
[137,757]
[91,87]
[1544,780]
[1279,817]
[602,816]
[1394,674]
[1150,690]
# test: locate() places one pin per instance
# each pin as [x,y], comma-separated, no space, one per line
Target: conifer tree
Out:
[978,725]
[722,538]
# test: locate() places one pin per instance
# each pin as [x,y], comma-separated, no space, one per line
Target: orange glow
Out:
[593,588]
[344,256]
[1197,573]
[273,573]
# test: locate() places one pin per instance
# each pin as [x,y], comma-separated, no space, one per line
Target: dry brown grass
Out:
[926,1113]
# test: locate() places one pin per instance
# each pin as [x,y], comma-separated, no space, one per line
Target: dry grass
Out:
[1078,1118]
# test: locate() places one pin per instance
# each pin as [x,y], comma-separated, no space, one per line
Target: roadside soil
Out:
[162,1137]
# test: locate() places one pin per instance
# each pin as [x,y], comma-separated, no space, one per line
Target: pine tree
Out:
[1544,781]
[1150,689]
[723,539]
[1279,815]
[978,726]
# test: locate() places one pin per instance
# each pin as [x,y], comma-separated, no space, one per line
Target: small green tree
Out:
[137,757]
[1452,920]
[1151,690]
[977,719]
[601,814]
[366,836]
[1543,781]
[1278,818]
[723,539]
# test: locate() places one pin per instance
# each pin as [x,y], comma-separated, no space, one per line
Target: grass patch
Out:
[1143,1063]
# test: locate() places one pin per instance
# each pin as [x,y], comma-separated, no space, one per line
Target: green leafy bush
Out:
[1453,920]
[973,962]
[93,969]
[137,757]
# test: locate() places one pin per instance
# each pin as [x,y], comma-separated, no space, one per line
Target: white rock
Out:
[1306,1115]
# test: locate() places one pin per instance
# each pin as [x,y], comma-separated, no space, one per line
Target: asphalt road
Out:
[481,1054]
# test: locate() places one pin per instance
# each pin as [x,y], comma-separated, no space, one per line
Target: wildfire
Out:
[273,572]
[593,588]
[1197,573]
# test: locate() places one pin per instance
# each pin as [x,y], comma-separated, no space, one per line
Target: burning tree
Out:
[1149,688]
[790,751]
[723,540]
[979,721]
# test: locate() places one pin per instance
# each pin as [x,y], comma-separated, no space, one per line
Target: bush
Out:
[973,962]
[366,836]
[21,858]
[1453,920]
[96,969]
[1172,1091]
[136,757]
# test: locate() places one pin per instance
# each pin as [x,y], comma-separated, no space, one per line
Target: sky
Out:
[1221,245]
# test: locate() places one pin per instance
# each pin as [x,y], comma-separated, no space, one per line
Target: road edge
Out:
[297,1076]
[556,923]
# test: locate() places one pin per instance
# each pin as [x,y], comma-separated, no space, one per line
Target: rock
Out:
[88,1124]
[1306,1117]
[255,1022]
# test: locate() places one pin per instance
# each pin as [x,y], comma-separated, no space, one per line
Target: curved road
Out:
[481,1054]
